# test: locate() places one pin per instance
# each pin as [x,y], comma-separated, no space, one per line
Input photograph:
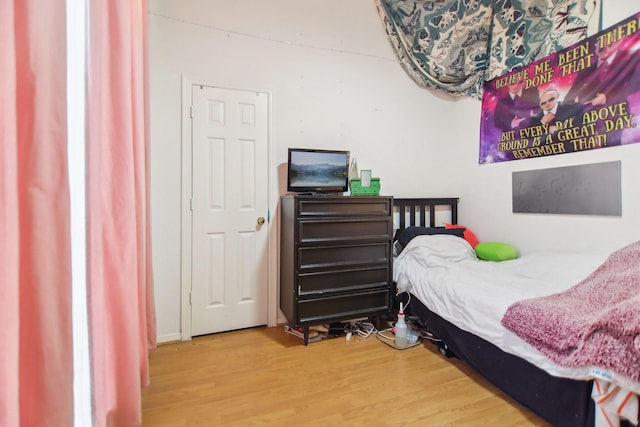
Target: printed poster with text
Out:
[582,98]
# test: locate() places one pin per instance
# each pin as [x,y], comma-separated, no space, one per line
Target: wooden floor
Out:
[266,377]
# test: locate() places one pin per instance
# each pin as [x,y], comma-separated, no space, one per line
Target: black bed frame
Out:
[561,401]
[416,209]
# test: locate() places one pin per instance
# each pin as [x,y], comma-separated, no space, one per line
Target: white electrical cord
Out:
[361,327]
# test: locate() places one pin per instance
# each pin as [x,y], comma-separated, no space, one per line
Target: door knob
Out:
[260,220]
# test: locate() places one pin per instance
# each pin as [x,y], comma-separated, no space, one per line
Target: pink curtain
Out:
[122,321]
[36,360]
[36,366]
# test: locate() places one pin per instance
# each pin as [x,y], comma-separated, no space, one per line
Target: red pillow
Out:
[469,235]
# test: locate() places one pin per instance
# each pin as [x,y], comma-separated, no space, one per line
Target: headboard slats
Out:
[417,207]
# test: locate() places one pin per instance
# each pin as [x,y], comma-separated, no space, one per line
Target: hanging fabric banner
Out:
[584,97]
[455,45]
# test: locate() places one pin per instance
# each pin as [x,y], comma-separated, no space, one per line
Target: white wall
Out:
[335,83]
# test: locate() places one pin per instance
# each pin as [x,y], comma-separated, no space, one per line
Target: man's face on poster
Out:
[516,87]
[605,52]
[548,100]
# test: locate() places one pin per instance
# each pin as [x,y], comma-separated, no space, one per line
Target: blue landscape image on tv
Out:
[315,169]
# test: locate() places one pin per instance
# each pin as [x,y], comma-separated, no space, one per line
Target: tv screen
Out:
[317,171]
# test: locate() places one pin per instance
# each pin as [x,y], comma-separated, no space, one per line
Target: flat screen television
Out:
[317,171]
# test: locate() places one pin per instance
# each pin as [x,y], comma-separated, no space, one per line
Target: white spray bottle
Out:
[401,329]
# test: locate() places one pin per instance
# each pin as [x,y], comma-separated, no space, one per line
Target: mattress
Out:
[444,273]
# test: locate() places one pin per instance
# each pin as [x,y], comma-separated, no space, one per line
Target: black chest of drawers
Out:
[335,258]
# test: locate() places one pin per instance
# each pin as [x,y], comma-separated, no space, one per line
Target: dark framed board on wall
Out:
[592,189]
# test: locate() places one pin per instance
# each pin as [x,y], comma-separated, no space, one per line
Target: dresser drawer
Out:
[343,306]
[343,255]
[357,228]
[344,206]
[322,282]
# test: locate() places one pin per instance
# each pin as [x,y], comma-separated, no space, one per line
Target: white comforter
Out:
[445,274]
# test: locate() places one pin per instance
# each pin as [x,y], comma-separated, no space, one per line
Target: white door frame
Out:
[186,230]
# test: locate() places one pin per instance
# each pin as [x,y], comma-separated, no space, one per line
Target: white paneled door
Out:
[229,270]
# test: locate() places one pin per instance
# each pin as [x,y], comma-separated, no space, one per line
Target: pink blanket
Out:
[594,323]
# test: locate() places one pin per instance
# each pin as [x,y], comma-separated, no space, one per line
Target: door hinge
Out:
[191,111]
[191,205]
[189,298]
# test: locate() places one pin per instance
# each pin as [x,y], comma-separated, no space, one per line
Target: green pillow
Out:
[495,251]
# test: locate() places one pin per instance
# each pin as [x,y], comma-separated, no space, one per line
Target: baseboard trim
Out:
[165,339]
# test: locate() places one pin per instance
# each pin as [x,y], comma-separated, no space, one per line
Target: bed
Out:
[439,297]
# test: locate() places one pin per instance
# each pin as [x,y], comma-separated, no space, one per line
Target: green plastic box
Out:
[358,190]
